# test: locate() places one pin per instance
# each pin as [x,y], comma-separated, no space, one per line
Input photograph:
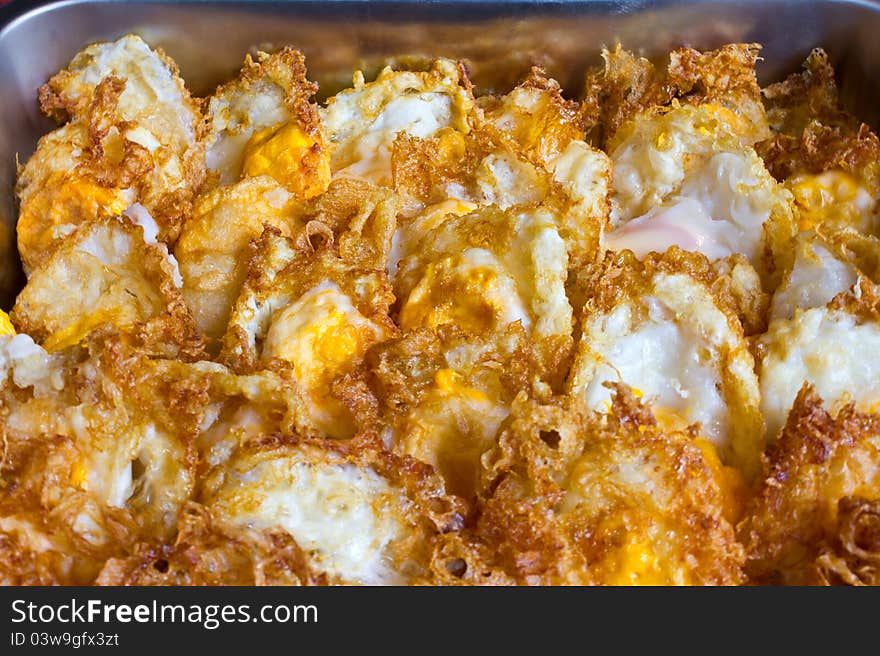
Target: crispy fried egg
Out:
[687,177]
[816,276]
[109,273]
[445,394]
[832,349]
[814,339]
[211,249]
[812,520]
[487,270]
[666,335]
[133,137]
[833,199]
[316,315]
[363,122]
[262,124]
[573,500]
[346,517]
[321,334]
[103,453]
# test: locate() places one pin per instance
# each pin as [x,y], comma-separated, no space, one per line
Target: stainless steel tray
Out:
[499,39]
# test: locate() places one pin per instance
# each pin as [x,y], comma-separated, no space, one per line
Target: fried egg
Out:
[665,334]
[107,274]
[687,177]
[491,167]
[486,270]
[321,334]
[212,249]
[354,524]
[316,315]
[133,137]
[830,348]
[453,426]
[536,117]
[547,130]
[444,394]
[833,199]
[102,456]
[56,196]
[812,520]
[154,94]
[462,175]
[574,500]
[816,276]
[363,122]
[262,124]
[814,339]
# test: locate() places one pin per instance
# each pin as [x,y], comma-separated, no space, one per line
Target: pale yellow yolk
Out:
[434,215]
[708,127]
[471,308]
[6,327]
[630,560]
[834,197]
[322,335]
[731,484]
[723,115]
[294,159]
[452,429]
[452,146]
[668,419]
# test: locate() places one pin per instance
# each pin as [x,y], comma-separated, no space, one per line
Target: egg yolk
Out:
[322,335]
[76,332]
[449,382]
[635,563]
[667,418]
[294,159]
[64,199]
[78,474]
[321,349]
[6,327]
[434,215]
[473,299]
[452,429]
[834,197]
[731,484]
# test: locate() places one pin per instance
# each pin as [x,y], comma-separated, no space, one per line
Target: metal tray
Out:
[499,40]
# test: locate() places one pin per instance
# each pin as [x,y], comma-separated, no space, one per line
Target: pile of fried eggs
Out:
[411,335]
